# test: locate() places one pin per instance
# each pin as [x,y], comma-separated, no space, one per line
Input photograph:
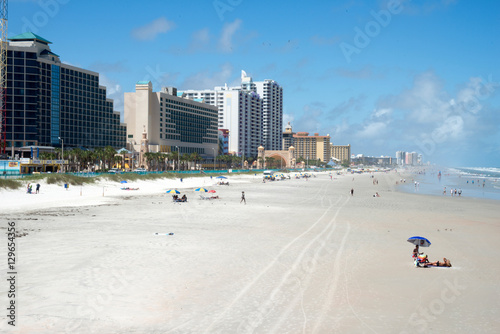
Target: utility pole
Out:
[178,159]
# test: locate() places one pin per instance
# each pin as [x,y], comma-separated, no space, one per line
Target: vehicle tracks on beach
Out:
[263,307]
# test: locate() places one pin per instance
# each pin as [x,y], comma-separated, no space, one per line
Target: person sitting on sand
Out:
[184,198]
[415,252]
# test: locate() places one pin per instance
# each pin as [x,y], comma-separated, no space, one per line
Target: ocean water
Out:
[479,182]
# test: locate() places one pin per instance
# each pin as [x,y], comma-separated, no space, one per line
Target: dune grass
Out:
[59,178]
[10,184]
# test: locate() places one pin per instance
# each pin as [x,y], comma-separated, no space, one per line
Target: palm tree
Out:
[175,159]
[195,157]
[149,156]
[185,158]
[87,157]
[160,161]
[77,155]
[123,152]
[98,157]
[109,153]
[47,156]
[118,159]
[169,158]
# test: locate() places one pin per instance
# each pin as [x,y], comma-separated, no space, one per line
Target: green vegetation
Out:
[345,163]
[10,184]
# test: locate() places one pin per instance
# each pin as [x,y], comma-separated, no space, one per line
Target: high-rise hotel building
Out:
[170,121]
[271,94]
[240,112]
[312,147]
[341,153]
[49,102]
[242,104]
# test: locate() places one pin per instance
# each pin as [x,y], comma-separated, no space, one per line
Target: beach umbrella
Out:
[173,191]
[221,177]
[419,241]
[201,190]
[212,191]
[123,181]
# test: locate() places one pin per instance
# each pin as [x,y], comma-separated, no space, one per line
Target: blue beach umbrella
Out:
[202,190]
[221,177]
[123,181]
[419,241]
[173,191]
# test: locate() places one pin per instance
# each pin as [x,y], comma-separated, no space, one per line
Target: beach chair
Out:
[204,197]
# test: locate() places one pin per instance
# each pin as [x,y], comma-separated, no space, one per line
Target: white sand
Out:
[300,257]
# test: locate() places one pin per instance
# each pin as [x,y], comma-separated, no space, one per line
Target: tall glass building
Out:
[48,100]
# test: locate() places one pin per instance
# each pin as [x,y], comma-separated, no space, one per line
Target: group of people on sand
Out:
[453,192]
[29,188]
[421,260]
[177,199]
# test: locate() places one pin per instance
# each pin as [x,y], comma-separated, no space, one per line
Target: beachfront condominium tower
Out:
[271,94]
[171,122]
[312,147]
[340,153]
[240,112]
[50,103]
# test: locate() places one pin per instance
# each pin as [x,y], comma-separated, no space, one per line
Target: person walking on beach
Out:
[352,191]
[243,197]
[37,188]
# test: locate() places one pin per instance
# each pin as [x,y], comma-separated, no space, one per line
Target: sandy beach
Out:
[301,256]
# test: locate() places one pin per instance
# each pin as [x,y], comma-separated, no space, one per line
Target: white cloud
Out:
[373,130]
[383,112]
[451,129]
[226,39]
[200,40]
[207,80]
[152,29]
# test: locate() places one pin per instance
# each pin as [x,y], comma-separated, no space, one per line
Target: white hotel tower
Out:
[240,112]
[271,94]
[253,113]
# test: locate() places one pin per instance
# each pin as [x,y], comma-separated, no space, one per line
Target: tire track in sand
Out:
[285,278]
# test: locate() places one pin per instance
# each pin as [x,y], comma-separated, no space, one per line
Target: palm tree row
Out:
[161,161]
[103,158]
[78,160]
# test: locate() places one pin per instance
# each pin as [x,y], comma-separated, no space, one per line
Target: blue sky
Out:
[382,76]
